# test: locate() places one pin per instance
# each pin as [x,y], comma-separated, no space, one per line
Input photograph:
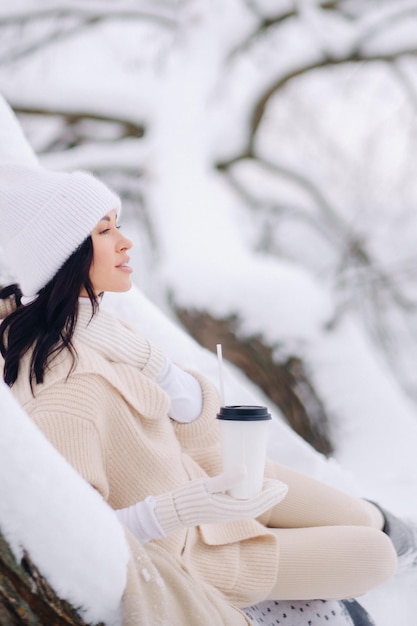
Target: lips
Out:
[125,263]
[124,266]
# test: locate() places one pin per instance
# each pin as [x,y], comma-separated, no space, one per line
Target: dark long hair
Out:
[47,323]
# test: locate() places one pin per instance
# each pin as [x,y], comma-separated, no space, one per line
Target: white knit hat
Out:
[44,217]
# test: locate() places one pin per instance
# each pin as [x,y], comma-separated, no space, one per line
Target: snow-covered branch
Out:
[69,19]
[268,22]
[162,12]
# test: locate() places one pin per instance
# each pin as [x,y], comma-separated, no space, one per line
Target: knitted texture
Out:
[160,592]
[116,341]
[195,503]
[110,420]
[44,217]
[140,519]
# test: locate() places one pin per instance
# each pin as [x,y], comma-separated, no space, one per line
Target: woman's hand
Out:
[184,391]
[203,501]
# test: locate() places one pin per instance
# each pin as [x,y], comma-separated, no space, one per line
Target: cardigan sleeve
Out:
[69,414]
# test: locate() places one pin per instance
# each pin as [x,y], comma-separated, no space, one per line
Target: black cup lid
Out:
[241,413]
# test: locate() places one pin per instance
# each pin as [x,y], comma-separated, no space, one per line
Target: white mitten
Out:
[201,501]
[183,389]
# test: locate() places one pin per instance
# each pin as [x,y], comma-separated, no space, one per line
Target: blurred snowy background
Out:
[265,152]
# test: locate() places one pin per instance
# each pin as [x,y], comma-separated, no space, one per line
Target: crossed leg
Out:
[330,544]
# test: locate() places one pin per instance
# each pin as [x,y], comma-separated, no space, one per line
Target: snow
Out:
[41,480]
[375,455]
[150,322]
[202,255]
[14,146]
[70,533]
[46,508]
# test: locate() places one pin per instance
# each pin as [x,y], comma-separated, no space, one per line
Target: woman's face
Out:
[110,269]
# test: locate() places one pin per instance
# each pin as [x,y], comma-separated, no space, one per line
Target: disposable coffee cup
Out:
[243,434]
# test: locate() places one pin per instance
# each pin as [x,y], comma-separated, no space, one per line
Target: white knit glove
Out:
[183,389]
[201,502]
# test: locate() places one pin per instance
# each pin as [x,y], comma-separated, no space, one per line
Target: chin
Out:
[120,288]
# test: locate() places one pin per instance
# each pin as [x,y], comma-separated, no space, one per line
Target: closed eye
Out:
[108,230]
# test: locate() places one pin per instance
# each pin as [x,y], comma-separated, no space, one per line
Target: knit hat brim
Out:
[45,217]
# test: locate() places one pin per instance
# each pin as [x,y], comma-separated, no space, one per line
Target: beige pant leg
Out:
[310,502]
[331,545]
[331,562]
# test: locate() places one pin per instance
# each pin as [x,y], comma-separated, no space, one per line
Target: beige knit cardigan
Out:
[109,419]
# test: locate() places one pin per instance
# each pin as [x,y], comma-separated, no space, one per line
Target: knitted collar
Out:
[115,341]
[112,339]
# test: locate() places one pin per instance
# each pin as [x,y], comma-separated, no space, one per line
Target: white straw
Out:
[220,361]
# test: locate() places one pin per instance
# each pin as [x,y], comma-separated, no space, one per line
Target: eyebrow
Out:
[105,218]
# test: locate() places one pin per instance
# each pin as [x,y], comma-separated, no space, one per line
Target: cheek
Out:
[101,255]
[98,266]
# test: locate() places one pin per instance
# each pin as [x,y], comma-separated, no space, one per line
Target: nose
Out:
[124,243]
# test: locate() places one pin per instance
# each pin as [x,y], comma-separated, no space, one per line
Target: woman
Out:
[142,431]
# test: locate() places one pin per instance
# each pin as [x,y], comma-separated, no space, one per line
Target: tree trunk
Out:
[286,383]
[26,598]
